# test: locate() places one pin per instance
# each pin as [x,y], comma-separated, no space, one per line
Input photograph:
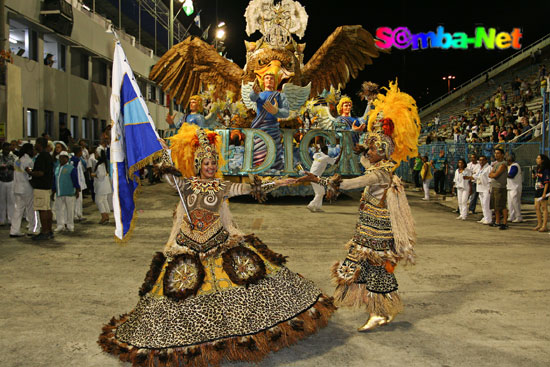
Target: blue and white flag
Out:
[134,142]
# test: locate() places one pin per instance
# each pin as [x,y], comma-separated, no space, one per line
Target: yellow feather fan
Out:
[184,145]
[401,109]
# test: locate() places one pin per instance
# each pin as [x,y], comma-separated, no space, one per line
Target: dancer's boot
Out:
[373,322]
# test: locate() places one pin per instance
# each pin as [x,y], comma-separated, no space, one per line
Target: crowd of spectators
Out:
[45,182]
[496,183]
[500,118]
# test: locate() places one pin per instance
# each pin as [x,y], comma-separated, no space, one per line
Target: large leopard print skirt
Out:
[237,305]
[365,279]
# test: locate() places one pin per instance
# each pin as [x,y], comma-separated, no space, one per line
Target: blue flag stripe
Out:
[133,112]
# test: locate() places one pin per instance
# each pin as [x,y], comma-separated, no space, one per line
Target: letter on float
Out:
[288,146]
[330,136]
[249,151]
[224,133]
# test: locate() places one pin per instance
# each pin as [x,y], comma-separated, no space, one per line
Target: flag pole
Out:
[180,194]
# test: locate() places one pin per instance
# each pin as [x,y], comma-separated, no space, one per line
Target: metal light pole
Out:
[120,14]
[448,79]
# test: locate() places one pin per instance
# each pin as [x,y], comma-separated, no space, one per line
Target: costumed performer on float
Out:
[345,121]
[213,294]
[195,115]
[271,106]
[385,231]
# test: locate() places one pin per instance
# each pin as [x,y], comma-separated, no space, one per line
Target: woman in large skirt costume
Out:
[385,233]
[213,294]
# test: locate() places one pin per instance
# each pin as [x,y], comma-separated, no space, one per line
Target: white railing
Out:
[107,23]
[531,131]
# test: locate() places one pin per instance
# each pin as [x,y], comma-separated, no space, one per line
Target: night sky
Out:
[419,71]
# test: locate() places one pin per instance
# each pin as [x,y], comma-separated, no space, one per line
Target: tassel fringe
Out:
[402,221]
[359,297]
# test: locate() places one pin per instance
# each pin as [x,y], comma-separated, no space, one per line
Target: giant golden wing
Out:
[192,65]
[344,53]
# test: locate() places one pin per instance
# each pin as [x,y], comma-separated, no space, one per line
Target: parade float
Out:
[305,96]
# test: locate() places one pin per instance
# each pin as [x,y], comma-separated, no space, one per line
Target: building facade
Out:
[57,78]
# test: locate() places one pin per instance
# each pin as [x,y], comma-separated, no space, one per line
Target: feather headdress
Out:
[400,121]
[191,145]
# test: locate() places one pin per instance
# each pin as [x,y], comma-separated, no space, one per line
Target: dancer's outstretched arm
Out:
[368,179]
[257,187]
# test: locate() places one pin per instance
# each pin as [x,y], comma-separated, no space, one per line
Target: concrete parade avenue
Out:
[478,296]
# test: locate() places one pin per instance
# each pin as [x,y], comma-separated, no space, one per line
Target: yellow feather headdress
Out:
[401,109]
[191,145]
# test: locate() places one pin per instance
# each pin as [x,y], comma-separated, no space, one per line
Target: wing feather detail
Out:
[192,65]
[343,54]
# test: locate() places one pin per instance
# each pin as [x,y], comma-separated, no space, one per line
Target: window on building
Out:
[54,52]
[161,97]
[79,63]
[73,127]
[99,71]
[84,133]
[23,40]
[62,54]
[48,122]
[33,45]
[142,86]
[96,133]
[31,128]
[103,126]
[62,120]
[152,94]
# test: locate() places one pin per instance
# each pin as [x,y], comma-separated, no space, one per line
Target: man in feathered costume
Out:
[385,232]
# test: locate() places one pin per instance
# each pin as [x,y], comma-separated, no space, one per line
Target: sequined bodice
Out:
[203,199]
[204,194]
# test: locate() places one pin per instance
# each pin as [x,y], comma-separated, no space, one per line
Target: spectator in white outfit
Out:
[76,161]
[484,190]
[462,187]
[23,193]
[7,202]
[320,162]
[102,185]
[66,189]
[515,188]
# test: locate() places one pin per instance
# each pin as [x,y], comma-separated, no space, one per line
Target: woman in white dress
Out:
[102,185]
